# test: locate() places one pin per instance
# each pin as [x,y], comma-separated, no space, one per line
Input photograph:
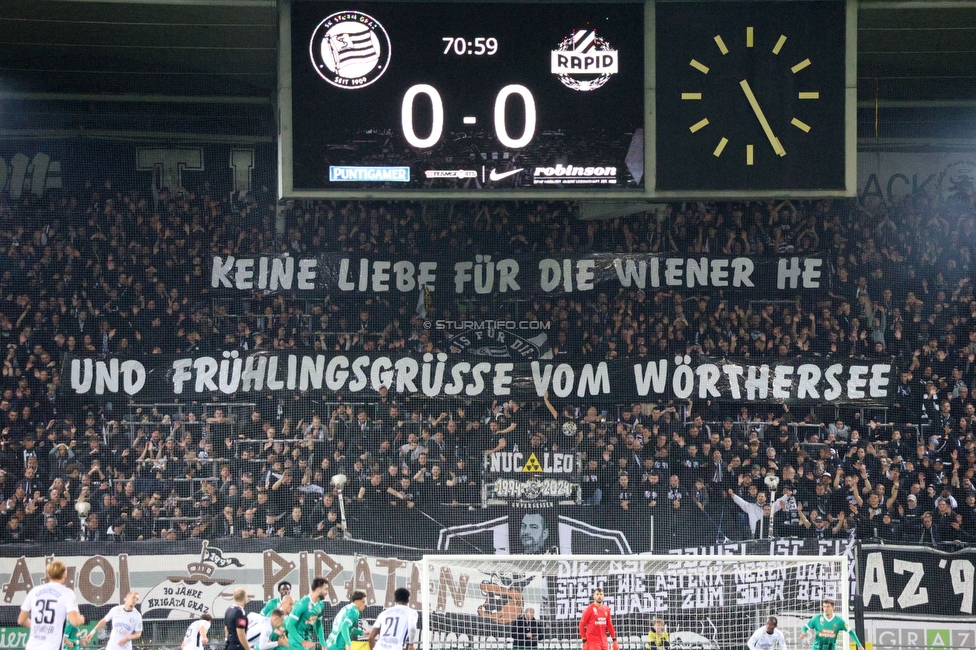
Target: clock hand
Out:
[773,140]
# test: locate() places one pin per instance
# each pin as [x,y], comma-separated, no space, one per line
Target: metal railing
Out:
[173,409]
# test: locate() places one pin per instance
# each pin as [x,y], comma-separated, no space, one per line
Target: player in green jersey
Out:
[287,604]
[306,618]
[827,627]
[284,588]
[345,621]
[72,636]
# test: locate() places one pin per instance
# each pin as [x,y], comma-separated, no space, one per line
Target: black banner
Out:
[913,581]
[531,479]
[814,380]
[523,275]
[639,589]
[707,603]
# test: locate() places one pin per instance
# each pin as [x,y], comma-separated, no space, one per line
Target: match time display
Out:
[492,97]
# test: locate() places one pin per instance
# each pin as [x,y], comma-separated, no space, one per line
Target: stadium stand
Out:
[112,272]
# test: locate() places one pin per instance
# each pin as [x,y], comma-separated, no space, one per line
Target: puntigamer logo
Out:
[350,49]
[339,174]
[583,61]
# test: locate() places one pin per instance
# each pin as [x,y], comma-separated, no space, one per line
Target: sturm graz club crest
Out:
[350,49]
[501,344]
[583,61]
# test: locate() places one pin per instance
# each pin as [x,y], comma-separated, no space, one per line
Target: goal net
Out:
[705,603]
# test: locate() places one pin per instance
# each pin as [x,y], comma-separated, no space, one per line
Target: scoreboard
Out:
[512,100]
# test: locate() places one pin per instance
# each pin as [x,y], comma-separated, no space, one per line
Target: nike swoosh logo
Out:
[495,176]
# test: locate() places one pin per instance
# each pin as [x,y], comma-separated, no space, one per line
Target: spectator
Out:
[139,528]
[250,524]
[592,481]
[92,531]
[623,496]
[271,527]
[816,527]
[928,535]
[525,630]
[296,526]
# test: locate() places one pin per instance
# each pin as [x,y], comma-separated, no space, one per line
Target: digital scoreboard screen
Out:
[501,98]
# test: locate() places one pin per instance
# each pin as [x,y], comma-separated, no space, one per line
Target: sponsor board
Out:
[339,174]
[496,175]
[15,638]
[450,173]
[569,174]
[884,634]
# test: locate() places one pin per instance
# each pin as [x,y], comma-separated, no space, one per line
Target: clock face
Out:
[751,96]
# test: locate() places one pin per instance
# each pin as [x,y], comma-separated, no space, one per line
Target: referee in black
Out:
[235,622]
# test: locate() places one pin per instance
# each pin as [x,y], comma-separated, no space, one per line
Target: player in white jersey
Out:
[767,637]
[260,629]
[46,609]
[197,634]
[126,624]
[396,626]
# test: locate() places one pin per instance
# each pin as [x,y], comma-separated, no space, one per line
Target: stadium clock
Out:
[513,99]
[751,96]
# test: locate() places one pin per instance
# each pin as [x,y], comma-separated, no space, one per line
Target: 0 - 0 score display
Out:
[499,97]
[498,116]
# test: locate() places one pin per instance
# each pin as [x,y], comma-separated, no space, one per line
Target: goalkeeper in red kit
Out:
[595,624]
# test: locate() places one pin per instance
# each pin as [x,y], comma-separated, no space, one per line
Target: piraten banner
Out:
[184,586]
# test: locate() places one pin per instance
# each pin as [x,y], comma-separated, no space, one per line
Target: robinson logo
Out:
[571,175]
[583,61]
[350,49]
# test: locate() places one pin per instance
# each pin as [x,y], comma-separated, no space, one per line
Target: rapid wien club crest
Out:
[350,49]
[583,61]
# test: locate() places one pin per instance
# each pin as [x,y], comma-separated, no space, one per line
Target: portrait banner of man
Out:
[534,531]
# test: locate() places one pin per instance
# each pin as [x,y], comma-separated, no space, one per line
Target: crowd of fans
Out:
[107,271]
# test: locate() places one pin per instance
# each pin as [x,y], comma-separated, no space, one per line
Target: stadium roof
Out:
[912,54]
[164,48]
